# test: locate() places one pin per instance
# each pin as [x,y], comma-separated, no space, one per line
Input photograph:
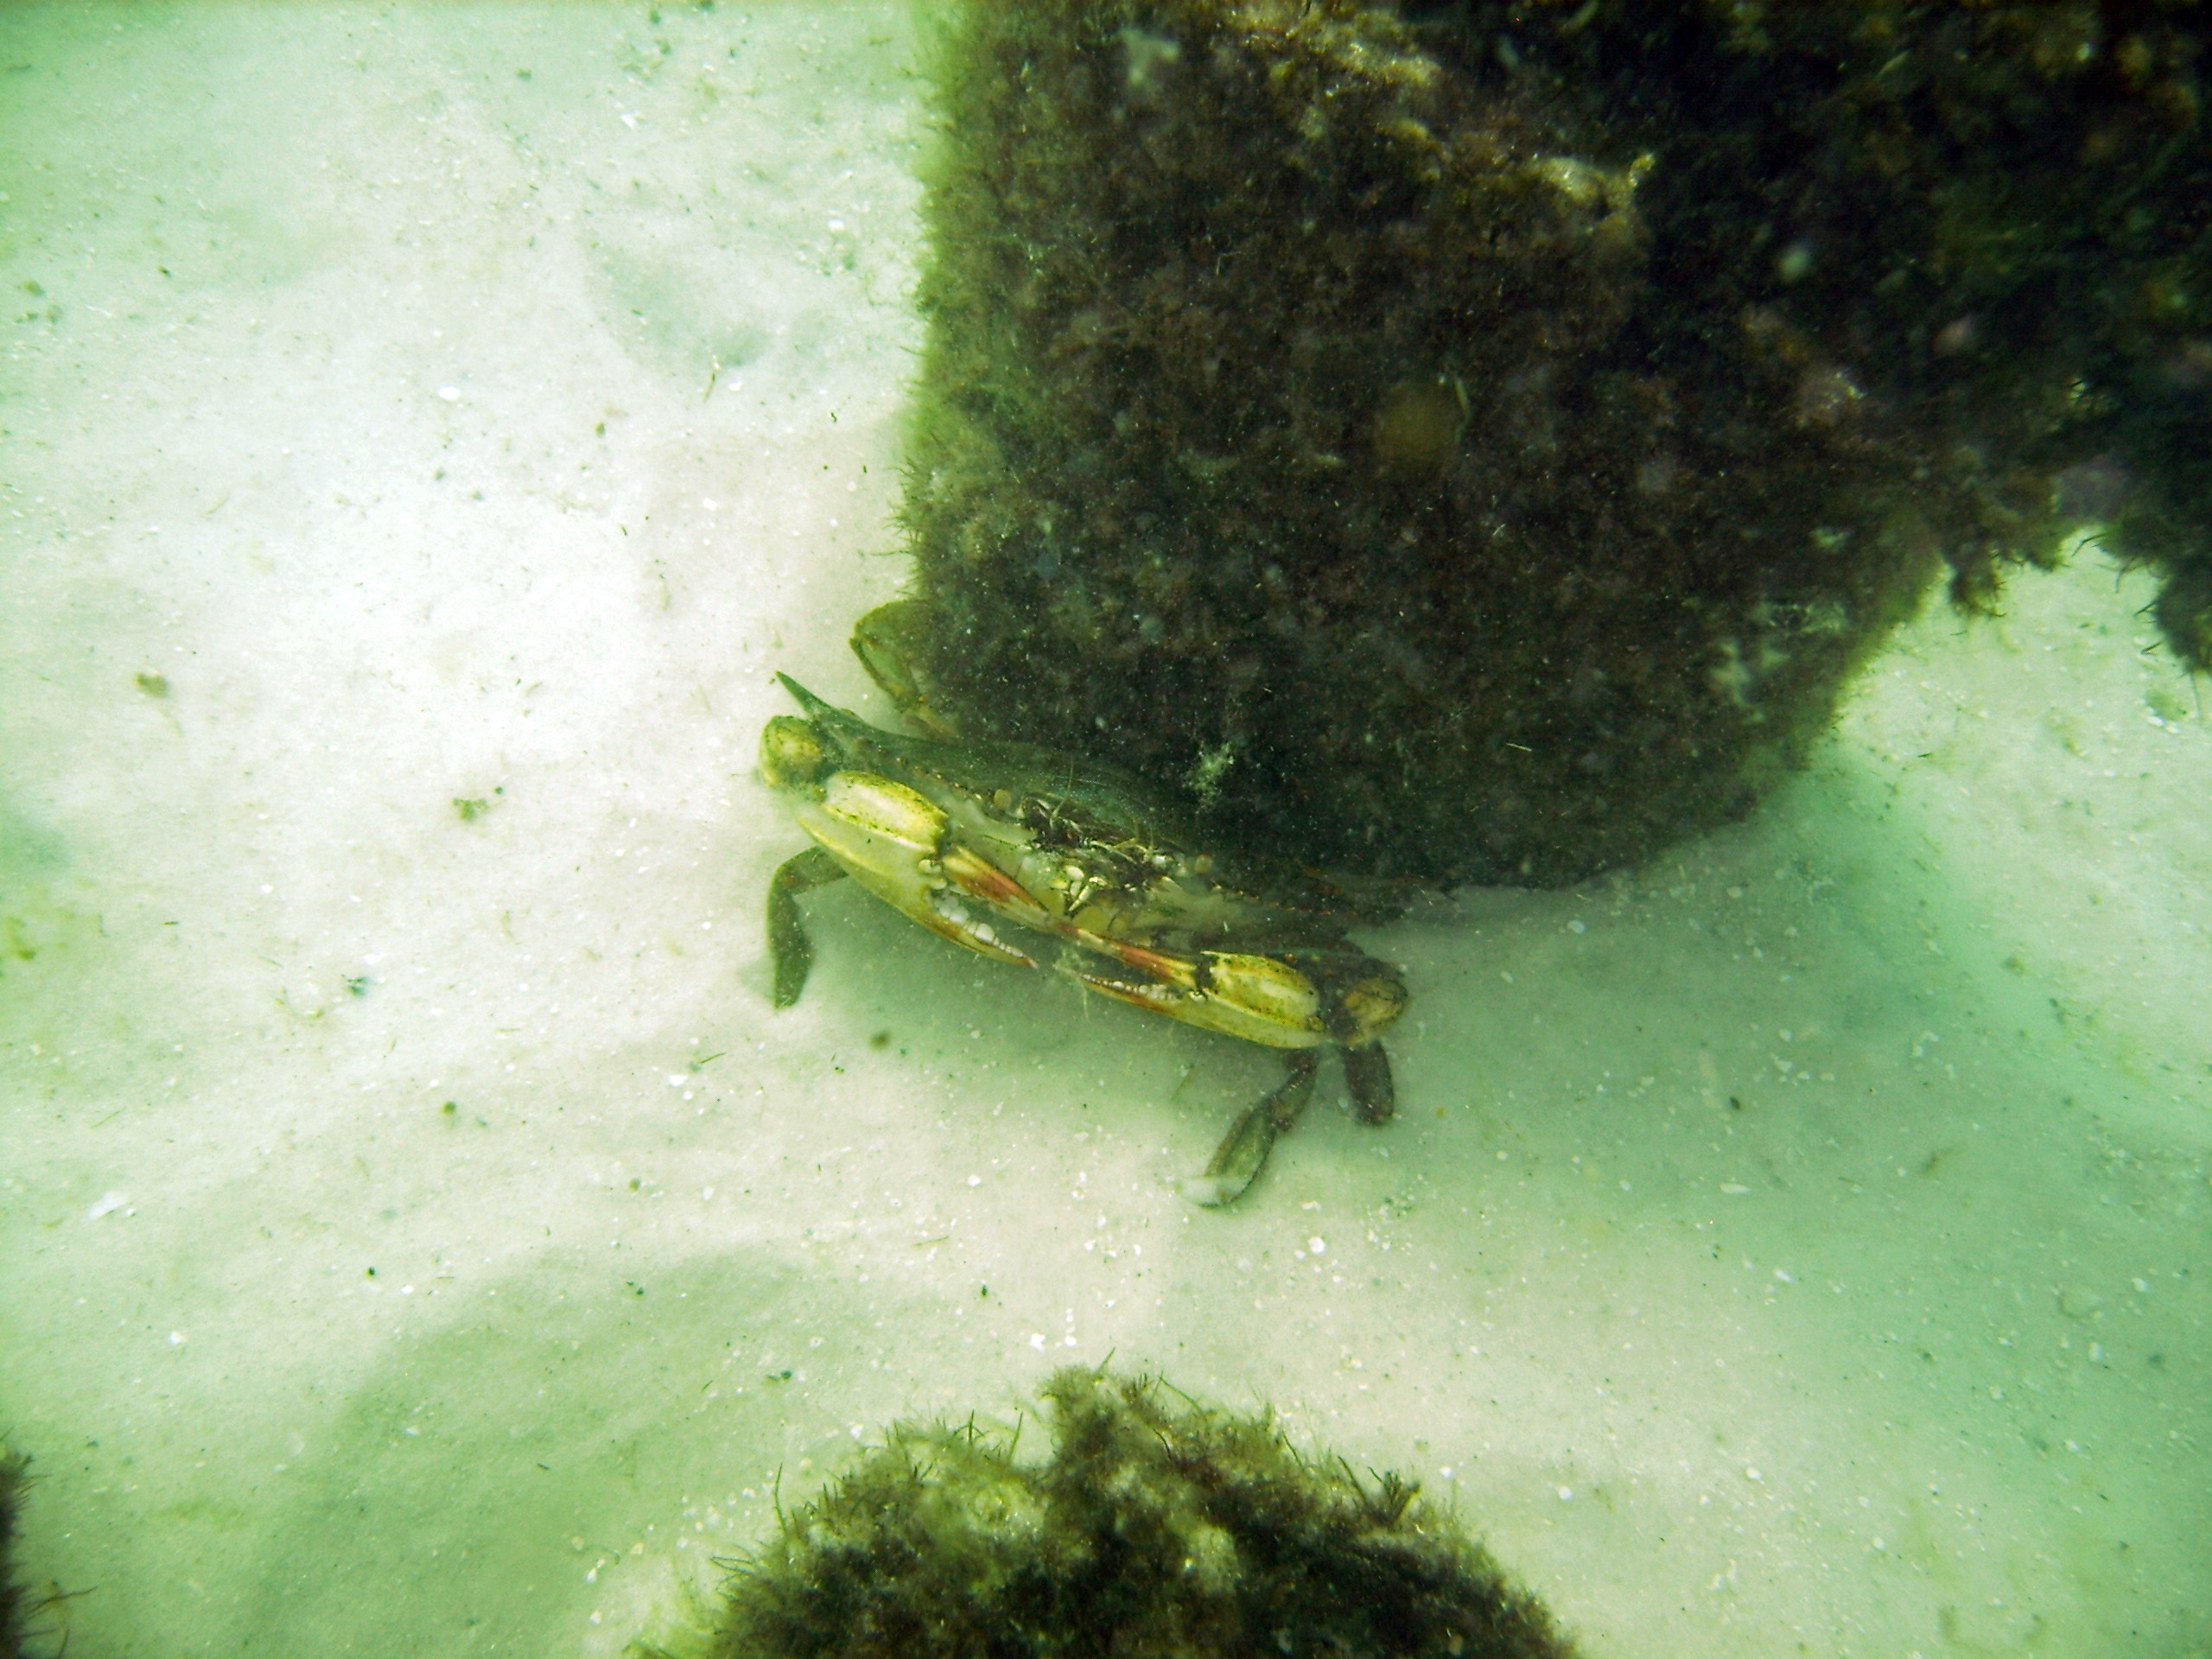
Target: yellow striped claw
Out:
[1256,997]
[885,812]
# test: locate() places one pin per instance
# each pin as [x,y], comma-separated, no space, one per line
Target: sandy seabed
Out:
[426,429]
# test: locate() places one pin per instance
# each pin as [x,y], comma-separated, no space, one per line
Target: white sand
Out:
[1798,1247]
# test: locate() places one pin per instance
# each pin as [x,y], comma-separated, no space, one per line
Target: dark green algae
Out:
[17,1606]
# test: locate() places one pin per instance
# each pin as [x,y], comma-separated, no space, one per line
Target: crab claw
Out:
[891,838]
[1261,999]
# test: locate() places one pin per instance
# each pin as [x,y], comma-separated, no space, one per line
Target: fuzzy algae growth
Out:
[15,1604]
[1155,1528]
[1475,442]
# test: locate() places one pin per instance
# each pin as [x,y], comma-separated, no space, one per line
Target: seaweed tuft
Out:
[14,1605]
[1155,1527]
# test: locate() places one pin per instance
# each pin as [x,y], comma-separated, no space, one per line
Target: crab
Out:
[1040,858]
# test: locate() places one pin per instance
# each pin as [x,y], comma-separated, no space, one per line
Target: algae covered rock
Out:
[1154,1527]
[1473,443]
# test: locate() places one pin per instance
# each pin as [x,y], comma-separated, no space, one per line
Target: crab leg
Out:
[1367,1074]
[1237,1162]
[983,880]
[789,948]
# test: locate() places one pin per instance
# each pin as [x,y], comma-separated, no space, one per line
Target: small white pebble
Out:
[451,394]
[1734,1189]
[1565,1493]
[1752,1474]
[1578,926]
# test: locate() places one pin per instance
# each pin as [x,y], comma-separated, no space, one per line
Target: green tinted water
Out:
[417,1235]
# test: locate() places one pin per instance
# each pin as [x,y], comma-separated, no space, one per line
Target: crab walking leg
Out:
[789,948]
[1367,1074]
[885,642]
[1237,1162]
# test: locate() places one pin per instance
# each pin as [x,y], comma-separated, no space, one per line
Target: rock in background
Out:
[1479,444]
